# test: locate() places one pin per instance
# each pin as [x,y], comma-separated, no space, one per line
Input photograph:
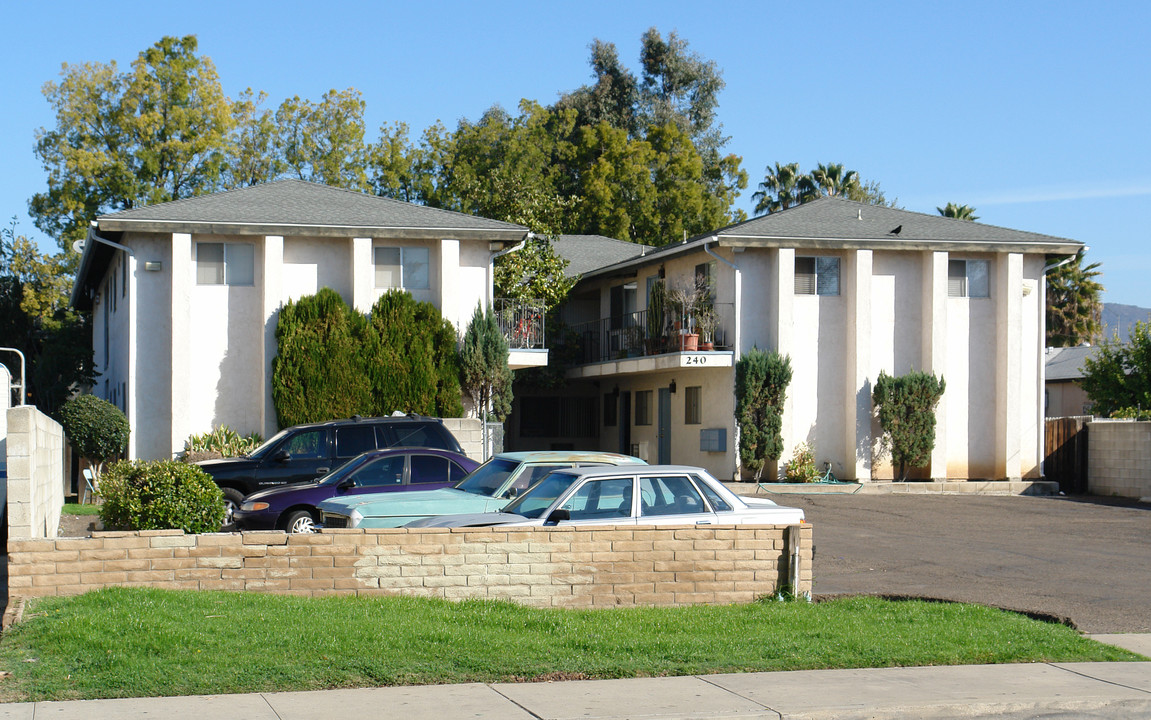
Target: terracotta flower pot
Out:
[690,342]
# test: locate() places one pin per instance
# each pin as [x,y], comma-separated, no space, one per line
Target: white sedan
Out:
[641,495]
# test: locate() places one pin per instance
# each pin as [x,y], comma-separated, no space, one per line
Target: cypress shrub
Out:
[906,409]
[319,372]
[484,371]
[761,381]
[400,354]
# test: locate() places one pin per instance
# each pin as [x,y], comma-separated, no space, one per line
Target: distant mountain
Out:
[1121,318]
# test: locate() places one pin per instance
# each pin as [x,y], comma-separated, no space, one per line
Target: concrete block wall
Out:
[1119,458]
[35,451]
[469,431]
[539,567]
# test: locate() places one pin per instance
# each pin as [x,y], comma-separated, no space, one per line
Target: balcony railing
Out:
[521,322]
[630,335]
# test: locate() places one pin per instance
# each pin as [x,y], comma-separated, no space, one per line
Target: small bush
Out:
[96,428]
[801,467]
[160,496]
[221,442]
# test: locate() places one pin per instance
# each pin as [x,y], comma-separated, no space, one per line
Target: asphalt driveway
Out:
[1087,560]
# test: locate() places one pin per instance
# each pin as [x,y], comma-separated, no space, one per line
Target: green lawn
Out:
[123,642]
[77,509]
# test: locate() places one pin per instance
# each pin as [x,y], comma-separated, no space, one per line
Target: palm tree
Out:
[1074,307]
[832,180]
[959,212]
[784,186]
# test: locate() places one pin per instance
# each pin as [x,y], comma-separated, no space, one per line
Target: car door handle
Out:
[321,470]
[703,522]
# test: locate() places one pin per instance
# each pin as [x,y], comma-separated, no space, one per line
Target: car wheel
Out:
[300,521]
[232,501]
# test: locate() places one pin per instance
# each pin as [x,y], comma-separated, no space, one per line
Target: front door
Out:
[664,436]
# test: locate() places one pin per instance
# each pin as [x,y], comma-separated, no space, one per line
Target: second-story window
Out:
[968,278]
[816,275]
[402,267]
[225,263]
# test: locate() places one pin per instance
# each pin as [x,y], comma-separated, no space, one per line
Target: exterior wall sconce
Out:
[153,265]
[671,387]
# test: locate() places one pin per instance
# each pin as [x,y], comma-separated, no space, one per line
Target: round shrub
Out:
[160,496]
[96,428]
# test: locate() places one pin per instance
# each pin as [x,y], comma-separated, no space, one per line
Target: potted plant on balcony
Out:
[684,299]
[656,317]
[706,322]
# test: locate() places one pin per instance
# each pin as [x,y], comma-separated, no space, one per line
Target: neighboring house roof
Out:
[286,208]
[1066,364]
[836,224]
[585,253]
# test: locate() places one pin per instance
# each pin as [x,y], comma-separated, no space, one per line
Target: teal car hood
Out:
[399,508]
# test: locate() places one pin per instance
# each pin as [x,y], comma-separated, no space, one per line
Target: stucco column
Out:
[183,283]
[857,365]
[273,296]
[1009,364]
[363,275]
[934,347]
[450,285]
[782,321]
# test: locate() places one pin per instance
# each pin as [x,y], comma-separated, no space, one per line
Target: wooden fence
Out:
[1065,453]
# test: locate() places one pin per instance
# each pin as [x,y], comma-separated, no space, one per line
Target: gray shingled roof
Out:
[585,253]
[296,204]
[839,219]
[834,224]
[1067,363]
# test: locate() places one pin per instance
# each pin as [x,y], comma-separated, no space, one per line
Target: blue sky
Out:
[1035,113]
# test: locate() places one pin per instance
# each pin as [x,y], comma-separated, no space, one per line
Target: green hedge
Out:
[333,362]
[160,496]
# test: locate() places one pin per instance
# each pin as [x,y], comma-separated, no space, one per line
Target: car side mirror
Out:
[559,514]
[512,493]
[346,484]
[283,456]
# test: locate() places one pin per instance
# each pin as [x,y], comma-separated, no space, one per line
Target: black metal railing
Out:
[631,335]
[521,322]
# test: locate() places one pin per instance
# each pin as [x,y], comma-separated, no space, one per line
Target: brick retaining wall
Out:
[543,567]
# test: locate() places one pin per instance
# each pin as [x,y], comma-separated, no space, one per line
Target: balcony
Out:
[629,343]
[522,324]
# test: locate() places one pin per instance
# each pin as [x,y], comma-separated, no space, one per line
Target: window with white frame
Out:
[225,263]
[405,268]
[968,278]
[817,275]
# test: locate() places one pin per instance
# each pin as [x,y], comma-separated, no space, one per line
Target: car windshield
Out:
[539,498]
[270,443]
[337,476]
[487,478]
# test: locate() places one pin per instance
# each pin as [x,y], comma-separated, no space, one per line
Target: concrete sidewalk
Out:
[1047,690]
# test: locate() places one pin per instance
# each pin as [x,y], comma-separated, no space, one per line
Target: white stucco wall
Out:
[892,315]
[193,356]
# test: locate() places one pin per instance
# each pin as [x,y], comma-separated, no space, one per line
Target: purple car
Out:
[293,507]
